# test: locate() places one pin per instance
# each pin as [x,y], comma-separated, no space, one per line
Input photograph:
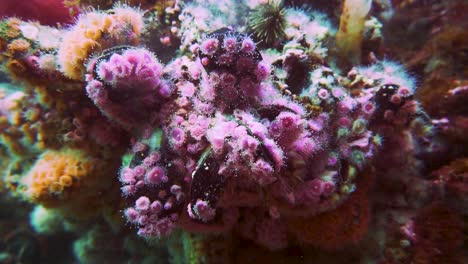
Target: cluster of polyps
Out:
[234,65]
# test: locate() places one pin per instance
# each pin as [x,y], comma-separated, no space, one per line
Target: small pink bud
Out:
[395,99]
[230,44]
[209,46]
[143,220]
[139,171]
[156,207]
[205,61]
[175,189]
[155,176]
[142,203]
[328,188]
[248,45]
[140,184]
[168,205]
[128,190]
[132,215]
[323,94]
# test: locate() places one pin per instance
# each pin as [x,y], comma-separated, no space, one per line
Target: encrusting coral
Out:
[55,174]
[209,133]
[69,180]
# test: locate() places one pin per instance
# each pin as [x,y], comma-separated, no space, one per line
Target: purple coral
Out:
[235,68]
[155,198]
[236,144]
[201,210]
[228,132]
[128,87]
[209,46]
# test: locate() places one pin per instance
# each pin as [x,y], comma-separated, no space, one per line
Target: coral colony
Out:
[191,120]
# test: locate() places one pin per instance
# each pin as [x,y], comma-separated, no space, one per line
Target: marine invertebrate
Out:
[27,47]
[19,45]
[156,197]
[199,18]
[120,82]
[233,61]
[232,145]
[70,181]
[268,21]
[308,31]
[236,140]
[55,174]
[97,31]
[24,129]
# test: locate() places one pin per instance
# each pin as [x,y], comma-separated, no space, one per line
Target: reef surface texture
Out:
[253,131]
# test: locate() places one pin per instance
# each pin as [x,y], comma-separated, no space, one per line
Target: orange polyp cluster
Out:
[55,173]
[13,30]
[19,45]
[97,30]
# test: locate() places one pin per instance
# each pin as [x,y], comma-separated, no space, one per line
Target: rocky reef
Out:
[233,132]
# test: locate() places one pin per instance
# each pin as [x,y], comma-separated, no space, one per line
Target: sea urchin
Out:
[268,21]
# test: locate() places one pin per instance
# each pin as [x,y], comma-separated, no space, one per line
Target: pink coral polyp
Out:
[128,88]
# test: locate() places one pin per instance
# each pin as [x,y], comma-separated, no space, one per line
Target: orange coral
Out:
[25,125]
[20,45]
[17,68]
[55,174]
[13,27]
[9,120]
[74,181]
[97,30]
